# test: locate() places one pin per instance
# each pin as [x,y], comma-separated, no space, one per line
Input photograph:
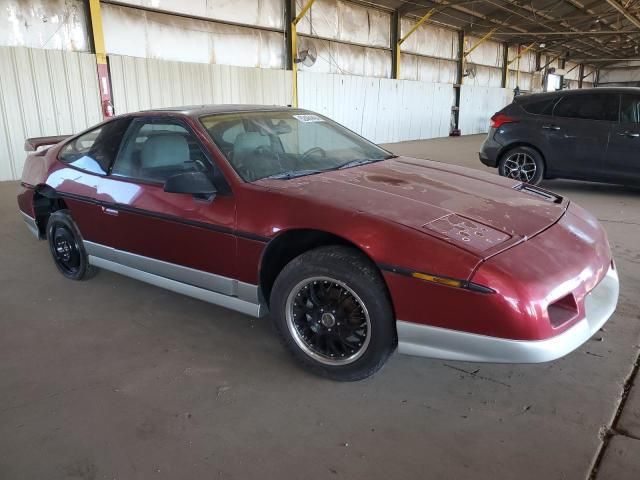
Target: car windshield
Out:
[287,144]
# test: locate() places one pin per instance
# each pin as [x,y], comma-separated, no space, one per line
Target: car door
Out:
[87,159]
[174,235]
[578,133]
[623,160]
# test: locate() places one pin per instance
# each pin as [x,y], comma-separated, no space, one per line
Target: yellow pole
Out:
[423,19]
[294,51]
[101,58]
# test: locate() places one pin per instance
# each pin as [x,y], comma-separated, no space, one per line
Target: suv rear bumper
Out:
[442,343]
[489,151]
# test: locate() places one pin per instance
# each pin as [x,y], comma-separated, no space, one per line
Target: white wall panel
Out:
[43,92]
[380,109]
[143,83]
[478,104]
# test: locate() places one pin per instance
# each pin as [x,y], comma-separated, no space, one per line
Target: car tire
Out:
[524,164]
[331,309]
[67,248]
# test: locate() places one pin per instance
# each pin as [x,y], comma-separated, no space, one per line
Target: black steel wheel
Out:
[66,247]
[332,311]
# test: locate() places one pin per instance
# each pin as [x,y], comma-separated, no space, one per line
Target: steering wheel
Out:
[313,151]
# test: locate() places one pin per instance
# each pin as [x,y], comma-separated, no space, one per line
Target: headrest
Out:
[164,150]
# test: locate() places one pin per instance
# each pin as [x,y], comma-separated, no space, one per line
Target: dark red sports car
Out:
[353,250]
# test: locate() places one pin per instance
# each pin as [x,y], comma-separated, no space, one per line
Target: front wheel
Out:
[331,309]
[523,164]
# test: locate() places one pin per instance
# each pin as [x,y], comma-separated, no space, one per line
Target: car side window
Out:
[630,109]
[153,151]
[540,107]
[95,150]
[601,106]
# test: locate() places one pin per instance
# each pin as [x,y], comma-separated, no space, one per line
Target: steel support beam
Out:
[505,66]
[622,10]
[289,15]
[396,17]
[102,68]
[580,75]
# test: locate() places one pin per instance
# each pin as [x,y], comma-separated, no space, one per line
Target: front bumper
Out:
[435,342]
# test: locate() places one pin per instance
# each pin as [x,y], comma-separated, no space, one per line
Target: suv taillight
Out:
[500,119]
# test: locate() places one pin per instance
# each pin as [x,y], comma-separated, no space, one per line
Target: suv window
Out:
[154,151]
[540,107]
[630,109]
[599,106]
[95,150]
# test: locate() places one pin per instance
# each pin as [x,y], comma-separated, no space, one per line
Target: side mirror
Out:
[194,183]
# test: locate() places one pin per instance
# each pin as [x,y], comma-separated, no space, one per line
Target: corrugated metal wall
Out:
[478,104]
[43,92]
[143,83]
[380,109]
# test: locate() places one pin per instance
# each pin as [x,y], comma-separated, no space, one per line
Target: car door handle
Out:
[110,211]
[550,127]
[630,134]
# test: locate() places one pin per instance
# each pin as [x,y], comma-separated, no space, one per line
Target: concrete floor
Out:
[112,378]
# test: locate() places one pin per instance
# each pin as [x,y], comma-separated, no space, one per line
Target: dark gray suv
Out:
[579,134]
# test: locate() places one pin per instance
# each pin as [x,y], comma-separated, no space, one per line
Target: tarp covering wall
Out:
[487,60]
[330,22]
[264,13]
[380,109]
[44,92]
[140,33]
[143,83]
[478,104]
[47,24]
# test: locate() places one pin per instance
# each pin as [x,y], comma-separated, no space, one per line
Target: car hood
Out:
[480,212]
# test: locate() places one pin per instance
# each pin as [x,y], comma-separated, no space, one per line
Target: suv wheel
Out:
[331,309]
[523,164]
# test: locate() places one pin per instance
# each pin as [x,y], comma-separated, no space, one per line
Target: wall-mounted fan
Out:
[470,72]
[307,55]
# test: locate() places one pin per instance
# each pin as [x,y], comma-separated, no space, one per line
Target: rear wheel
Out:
[331,309]
[523,164]
[66,247]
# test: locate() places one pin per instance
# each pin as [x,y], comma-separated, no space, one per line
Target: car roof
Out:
[199,110]
[584,91]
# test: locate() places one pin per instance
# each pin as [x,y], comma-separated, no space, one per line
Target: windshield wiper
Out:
[291,174]
[355,163]
[363,161]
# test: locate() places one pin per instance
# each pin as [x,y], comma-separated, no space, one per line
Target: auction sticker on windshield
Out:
[308,118]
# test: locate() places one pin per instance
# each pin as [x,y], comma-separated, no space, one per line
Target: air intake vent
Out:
[539,192]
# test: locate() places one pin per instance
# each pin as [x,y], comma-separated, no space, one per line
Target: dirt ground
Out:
[116,379]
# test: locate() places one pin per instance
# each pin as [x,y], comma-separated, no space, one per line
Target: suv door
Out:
[622,160]
[173,235]
[578,133]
